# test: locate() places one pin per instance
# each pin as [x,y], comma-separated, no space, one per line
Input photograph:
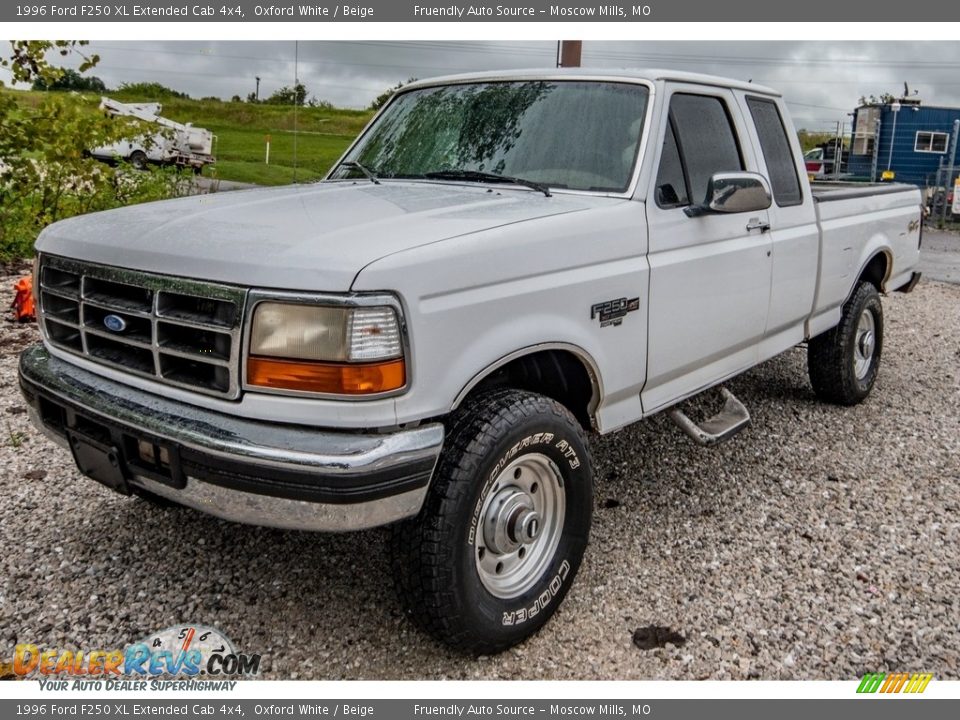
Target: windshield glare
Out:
[565,134]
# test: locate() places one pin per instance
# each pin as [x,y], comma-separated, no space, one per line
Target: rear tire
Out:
[503,529]
[843,362]
[138,159]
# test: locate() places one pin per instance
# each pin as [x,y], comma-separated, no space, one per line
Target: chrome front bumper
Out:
[286,476]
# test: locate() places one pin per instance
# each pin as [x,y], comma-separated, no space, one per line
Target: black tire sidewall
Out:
[504,621]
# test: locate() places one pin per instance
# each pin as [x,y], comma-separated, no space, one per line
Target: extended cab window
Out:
[776,151]
[701,137]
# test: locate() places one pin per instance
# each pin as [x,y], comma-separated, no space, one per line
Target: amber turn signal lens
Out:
[332,378]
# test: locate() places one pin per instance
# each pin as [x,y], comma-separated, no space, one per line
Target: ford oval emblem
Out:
[115,323]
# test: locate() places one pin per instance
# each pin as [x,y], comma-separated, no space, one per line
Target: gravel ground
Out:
[940,255]
[820,543]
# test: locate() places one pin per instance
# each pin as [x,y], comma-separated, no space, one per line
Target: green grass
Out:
[241,129]
[258,173]
[240,154]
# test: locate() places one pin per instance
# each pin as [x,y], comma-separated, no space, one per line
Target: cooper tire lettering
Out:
[516,617]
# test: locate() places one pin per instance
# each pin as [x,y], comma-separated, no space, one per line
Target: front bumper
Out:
[286,476]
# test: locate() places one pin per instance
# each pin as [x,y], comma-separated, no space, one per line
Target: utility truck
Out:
[172,143]
[500,265]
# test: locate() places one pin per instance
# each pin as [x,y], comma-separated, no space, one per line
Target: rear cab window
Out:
[777,154]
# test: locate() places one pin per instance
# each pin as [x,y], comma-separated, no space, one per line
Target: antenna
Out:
[296,101]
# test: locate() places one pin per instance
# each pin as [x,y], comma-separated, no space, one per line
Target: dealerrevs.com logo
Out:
[891,683]
[187,651]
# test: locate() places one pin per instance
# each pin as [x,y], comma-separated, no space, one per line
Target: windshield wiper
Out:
[481,176]
[370,175]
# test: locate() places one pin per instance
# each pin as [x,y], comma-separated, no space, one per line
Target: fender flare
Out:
[593,371]
[882,250]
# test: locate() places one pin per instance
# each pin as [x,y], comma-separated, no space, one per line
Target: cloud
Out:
[821,81]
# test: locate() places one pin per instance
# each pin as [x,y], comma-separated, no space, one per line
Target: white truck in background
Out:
[500,265]
[173,143]
[821,162]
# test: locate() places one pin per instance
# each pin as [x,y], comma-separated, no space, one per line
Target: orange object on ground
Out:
[23,306]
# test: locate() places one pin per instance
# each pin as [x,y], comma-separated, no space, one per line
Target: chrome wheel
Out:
[520,525]
[865,344]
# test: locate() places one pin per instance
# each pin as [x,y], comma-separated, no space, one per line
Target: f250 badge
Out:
[612,312]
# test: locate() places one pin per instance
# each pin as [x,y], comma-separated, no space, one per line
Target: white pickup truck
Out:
[498,266]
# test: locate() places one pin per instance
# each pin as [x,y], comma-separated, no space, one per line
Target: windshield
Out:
[564,134]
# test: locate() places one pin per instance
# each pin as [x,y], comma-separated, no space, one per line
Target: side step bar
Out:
[733,418]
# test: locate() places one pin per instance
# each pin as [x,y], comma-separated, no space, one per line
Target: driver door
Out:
[709,275]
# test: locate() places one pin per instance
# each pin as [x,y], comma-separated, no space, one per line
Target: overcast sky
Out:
[821,81]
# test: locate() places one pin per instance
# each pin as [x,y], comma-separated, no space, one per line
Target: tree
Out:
[46,174]
[71,80]
[888,98]
[382,98]
[29,58]
[882,99]
[149,91]
[810,139]
[296,95]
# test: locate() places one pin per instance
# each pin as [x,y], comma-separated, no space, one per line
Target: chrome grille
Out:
[181,332]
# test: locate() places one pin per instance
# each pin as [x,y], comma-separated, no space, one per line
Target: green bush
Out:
[45,174]
[147,91]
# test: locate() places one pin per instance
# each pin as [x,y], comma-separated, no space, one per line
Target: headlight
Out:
[333,350]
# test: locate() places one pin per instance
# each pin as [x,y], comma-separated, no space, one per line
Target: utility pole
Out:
[568,53]
[256,95]
[837,151]
[936,188]
[895,109]
[949,180]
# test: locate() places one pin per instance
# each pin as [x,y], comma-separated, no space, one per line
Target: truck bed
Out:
[827,191]
[856,220]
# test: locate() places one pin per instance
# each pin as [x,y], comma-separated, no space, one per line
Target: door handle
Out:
[758,224]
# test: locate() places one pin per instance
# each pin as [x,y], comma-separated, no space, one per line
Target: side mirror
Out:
[733,192]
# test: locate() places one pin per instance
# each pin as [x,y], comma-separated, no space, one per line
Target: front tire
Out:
[502,532]
[843,362]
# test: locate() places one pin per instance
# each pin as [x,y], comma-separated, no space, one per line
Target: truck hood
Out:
[305,237]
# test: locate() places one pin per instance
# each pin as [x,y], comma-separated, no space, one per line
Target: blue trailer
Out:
[914,142]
